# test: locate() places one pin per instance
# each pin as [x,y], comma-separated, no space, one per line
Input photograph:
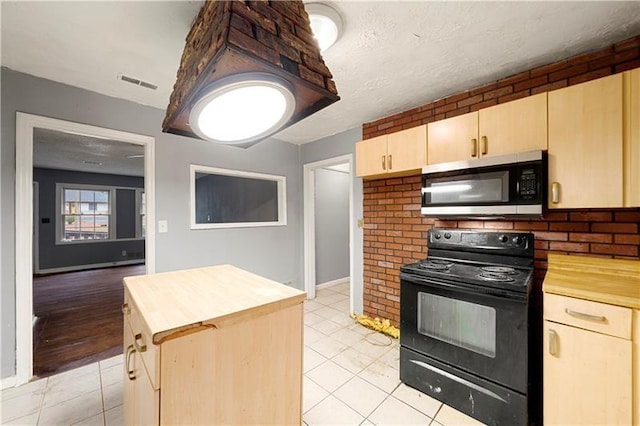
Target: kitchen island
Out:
[214,345]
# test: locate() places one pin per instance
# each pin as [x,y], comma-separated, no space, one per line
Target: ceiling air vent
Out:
[137,82]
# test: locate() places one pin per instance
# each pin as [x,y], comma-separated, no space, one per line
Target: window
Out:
[142,213]
[223,198]
[86,213]
[94,213]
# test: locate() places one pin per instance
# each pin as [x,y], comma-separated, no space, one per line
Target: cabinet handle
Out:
[139,347]
[126,310]
[484,145]
[474,147]
[555,192]
[588,317]
[384,157]
[390,164]
[130,372]
[553,343]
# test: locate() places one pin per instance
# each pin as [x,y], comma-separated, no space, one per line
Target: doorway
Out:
[26,126]
[311,171]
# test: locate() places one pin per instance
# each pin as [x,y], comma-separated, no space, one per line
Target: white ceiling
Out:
[66,151]
[392,56]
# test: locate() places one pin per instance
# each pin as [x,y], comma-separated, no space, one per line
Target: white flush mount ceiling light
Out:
[326,24]
[242,109]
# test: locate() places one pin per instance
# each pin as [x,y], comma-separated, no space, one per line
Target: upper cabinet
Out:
[516,126]
[394,154]
[586,145]
[631,147]
[453,139]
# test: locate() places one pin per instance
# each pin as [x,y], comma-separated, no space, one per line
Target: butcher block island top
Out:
[182,302]
[612,281]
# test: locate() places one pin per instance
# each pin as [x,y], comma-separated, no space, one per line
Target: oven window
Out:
[482,188]
[467,325]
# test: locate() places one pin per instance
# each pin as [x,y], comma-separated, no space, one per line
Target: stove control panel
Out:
[455,239]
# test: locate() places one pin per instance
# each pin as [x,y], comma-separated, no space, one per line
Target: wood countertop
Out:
[612,281]
[181,302]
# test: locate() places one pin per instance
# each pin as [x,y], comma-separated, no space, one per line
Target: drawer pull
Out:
[553,343]
[130,372]
[126,310]
[140,347]
[588,317]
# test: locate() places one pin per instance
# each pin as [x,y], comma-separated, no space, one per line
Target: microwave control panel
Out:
[528,183]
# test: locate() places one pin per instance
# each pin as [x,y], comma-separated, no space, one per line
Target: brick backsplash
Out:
[395,232]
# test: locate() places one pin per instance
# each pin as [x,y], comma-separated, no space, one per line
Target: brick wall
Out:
[395,231]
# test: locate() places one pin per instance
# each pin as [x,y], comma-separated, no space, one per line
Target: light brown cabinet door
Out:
[453,139]
[147,400]
[407,149]
[585,145]
[632,139]
[371,156]
[128,384]
[587,377]
[516,126]
[141,401]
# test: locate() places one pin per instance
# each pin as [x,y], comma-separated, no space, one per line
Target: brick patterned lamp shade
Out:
[230,39]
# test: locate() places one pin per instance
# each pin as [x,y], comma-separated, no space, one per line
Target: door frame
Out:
[309,185]
[25,125]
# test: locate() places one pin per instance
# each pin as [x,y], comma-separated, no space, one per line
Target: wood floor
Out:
[79,318]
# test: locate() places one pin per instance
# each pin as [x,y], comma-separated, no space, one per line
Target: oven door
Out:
[478,330]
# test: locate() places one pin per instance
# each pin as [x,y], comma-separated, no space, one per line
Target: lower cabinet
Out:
[588,362]
[143,407]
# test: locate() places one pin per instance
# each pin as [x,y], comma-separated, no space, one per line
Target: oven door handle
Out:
[472,290]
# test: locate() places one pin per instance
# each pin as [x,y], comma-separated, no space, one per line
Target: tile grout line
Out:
[104,417]
[44,392]
[436,414]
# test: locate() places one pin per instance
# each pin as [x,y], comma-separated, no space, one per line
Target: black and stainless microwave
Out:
[503,185]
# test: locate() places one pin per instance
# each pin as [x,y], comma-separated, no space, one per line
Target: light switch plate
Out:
[163,226]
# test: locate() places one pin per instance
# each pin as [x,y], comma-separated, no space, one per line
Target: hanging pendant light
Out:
[248,70]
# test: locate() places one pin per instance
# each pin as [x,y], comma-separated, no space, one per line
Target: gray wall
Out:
[274,252]
[334,146]
[332,225]
[52,255]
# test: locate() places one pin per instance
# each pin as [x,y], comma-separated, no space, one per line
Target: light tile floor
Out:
[350,378]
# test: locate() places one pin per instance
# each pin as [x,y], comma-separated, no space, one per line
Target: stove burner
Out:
[436,265]
[505,270]
[495,276]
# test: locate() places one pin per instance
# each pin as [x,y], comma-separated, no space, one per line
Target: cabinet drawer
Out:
[594,316]
[149,352]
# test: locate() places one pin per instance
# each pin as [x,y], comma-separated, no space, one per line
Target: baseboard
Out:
[7,382]
[91,266]
[332,283]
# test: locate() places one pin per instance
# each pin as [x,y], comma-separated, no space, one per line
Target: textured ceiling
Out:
[66,151]
[392,56]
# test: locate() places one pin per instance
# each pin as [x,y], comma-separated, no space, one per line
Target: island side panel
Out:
[243,373]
